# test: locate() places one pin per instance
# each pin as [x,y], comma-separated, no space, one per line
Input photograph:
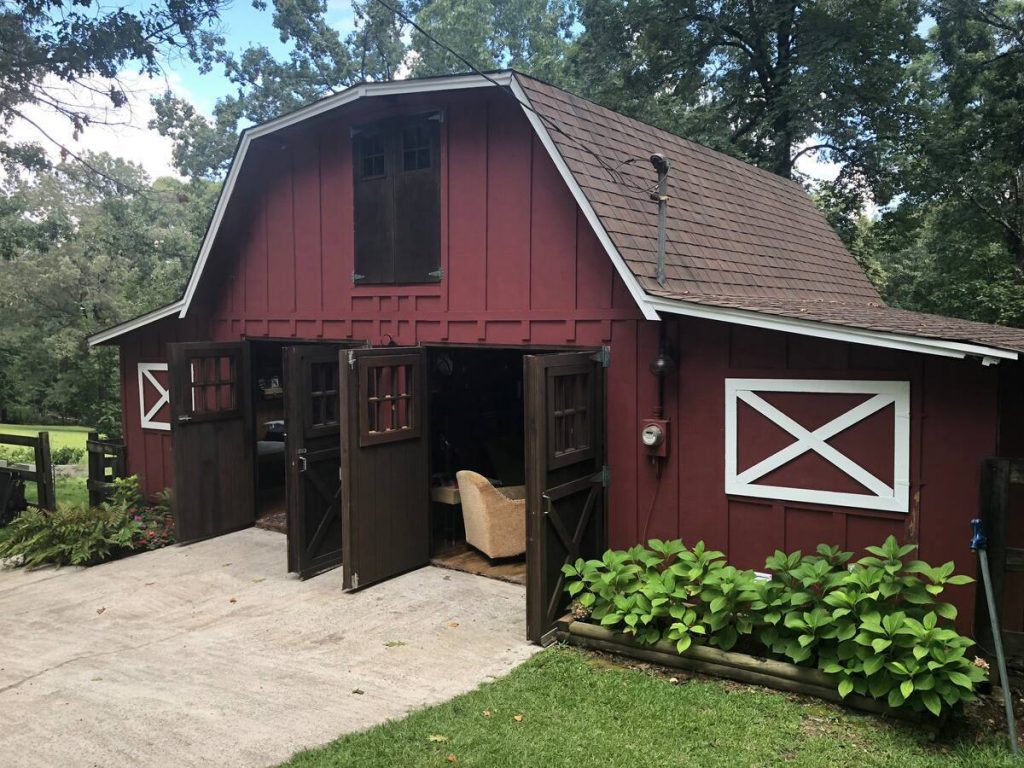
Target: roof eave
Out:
[109,334]
[875,338]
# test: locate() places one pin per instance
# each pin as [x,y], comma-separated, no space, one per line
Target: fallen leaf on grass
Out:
[487,713]
[518,718]
[436,737]
[452,758]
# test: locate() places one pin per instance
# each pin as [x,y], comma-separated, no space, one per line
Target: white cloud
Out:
[122,132]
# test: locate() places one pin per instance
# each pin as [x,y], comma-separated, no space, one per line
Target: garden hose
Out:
[979,544]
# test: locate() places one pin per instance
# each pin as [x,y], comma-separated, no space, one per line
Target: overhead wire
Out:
[613,171]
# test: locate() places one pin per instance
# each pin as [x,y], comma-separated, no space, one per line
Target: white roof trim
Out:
[392,88]
[635,290]
[873,338]
[136,322]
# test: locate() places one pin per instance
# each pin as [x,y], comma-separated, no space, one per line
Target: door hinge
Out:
[604,477]
[604,356]
[355,580]
[356,277]
[438,273]
[352,359]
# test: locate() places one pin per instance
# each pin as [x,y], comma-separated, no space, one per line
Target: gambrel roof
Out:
[743,245]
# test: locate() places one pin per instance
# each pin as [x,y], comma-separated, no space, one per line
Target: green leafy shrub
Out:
[877,625]
[73,534]
[67,454]
[76,534]
[16,455]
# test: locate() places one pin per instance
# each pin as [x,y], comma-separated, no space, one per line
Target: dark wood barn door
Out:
[312,410]
[385,486]
[213,463]
[565,477]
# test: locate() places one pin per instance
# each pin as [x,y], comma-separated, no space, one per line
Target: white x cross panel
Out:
[879,495]
[146,378]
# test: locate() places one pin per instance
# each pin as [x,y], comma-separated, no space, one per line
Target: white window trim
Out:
[880,496]
[147,417]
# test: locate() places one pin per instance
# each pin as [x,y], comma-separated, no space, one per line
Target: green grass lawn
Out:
[580,710]
[59,435]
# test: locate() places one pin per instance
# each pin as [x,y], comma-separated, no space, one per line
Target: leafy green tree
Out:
[91,255]
[767,80]
[530,35]
[319,62]
[46,45]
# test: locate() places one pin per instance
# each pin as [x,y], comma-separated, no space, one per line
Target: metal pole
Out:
[661,166]
[979,543]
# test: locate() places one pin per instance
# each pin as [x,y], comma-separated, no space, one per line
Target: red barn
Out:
[411,278]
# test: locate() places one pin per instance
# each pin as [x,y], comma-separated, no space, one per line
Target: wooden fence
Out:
[107,462]
[41,472]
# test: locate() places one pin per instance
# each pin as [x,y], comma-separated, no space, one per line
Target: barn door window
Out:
[214,384]
[840,443]
[389,386]
[397,201]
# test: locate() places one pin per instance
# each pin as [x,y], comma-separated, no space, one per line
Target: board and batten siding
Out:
[523,268]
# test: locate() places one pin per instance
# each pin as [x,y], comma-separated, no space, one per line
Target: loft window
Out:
[372,156]
[415,147]
[397,201]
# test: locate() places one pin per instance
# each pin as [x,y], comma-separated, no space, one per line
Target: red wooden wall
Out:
[953,428]
[522,267]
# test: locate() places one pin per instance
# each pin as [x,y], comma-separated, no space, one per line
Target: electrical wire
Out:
[611,170]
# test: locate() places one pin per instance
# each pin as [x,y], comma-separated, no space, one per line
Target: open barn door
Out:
[385,487]
[213,463]
[312,411]
[565,477]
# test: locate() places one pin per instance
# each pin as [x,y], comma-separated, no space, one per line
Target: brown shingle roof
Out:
[737,236]
[732,229]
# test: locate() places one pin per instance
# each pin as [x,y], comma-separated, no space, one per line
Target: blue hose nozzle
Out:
[978,538]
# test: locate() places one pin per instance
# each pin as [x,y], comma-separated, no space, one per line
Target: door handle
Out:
[183,419]
[301,460]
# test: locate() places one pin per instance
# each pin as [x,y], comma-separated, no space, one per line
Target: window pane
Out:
[372,153]
[415,147]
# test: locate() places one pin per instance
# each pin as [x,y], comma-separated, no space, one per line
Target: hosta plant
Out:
[877,625]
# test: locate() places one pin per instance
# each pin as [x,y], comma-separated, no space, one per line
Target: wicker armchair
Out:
[495,523]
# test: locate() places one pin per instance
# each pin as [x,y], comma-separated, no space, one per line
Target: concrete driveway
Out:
[210,655]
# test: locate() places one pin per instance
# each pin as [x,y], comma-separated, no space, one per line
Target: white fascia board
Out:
[135,323]
[865,336]
[392,88]
[635,290]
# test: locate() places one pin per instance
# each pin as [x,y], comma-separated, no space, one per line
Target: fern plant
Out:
[73,534]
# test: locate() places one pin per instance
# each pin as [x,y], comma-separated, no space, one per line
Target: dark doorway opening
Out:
[477,425]
[269,431]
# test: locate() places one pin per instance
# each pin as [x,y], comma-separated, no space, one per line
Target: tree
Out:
[88,255]
[46,45]
[320,62]
[530,35]
[766,80]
